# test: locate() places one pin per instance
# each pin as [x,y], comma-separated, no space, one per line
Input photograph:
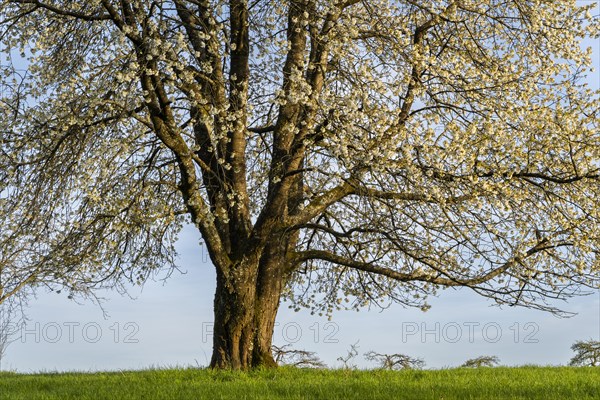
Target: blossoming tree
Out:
[337,153]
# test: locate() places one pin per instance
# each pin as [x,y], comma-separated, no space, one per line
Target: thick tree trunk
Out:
[234,318]
[247,299]
[246,303]
[269,287]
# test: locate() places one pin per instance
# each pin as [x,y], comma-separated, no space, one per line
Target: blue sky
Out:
[168,324]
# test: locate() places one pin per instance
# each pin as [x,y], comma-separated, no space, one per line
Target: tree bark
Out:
[270,284]
[246,304]
[234,318]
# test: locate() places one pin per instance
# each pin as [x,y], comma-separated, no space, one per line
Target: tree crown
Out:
[408,145]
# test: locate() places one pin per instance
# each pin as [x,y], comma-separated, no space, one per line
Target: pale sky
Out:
[168,324]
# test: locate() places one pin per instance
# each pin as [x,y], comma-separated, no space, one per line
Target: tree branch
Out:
[63,12]
[436,279]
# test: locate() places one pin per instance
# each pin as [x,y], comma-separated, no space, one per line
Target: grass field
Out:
[287,383]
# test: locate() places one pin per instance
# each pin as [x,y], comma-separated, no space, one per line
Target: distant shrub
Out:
[347,360]
[395,361]
[587,353]
[481,361]
[284,355]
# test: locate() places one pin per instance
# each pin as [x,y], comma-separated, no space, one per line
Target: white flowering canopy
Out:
[431,143]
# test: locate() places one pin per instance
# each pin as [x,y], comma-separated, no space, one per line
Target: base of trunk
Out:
[246,304]
[244,323]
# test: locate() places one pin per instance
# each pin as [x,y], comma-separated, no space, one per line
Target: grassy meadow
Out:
[289,383]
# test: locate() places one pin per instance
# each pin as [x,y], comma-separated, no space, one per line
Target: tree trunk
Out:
[269,287]
[246,303]
[234,318]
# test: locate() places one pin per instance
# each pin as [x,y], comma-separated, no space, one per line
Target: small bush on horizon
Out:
[395,361]
[481,361]
[286,356]
[587,353]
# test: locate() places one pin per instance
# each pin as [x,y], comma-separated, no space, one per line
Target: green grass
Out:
[287,383]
